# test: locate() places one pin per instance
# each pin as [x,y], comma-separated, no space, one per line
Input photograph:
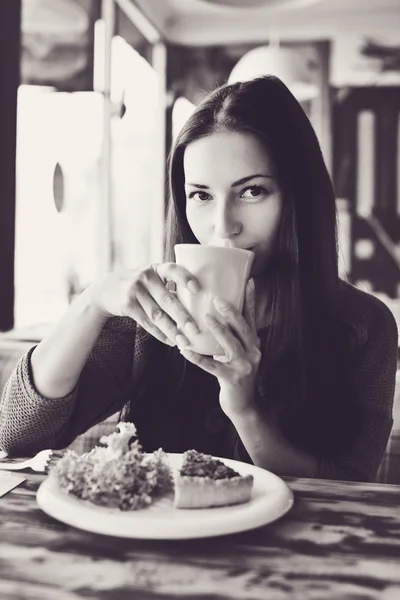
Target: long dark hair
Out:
[304,274]
[303,277]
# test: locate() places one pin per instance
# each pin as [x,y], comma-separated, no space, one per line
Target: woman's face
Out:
[232,195]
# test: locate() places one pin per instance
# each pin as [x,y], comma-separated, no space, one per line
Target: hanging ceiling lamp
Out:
[286,63]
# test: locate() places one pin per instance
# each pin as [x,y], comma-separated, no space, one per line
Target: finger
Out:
[159,318]
[243,367]
[249,310]
[181,276]
[230,344]
[137,313]
[237,323]
[221,358]
[166,299]
[204,362]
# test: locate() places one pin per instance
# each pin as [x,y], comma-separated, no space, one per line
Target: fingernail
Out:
[191,328]
[210,320]
[221,358]
[193,286]
[182,341]
[251,284]
[220,303]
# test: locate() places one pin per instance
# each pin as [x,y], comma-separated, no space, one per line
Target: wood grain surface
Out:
[340,540]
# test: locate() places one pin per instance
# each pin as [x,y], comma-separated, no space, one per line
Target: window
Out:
[58,251]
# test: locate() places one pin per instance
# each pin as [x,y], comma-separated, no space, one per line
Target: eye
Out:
[199,196]
[253,192]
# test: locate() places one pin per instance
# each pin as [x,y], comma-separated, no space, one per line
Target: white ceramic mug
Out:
[220,271]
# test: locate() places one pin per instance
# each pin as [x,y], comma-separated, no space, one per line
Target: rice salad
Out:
[116,475]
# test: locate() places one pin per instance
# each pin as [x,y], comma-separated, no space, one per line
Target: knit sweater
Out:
[345,422]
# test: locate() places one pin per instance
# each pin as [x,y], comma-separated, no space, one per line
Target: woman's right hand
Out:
[142,295]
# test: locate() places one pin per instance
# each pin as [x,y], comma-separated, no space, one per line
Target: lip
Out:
[251,248]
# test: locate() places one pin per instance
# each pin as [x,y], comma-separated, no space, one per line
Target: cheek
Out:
[266,221]
[197,224]
[275,223]
[190,218]
[275,215]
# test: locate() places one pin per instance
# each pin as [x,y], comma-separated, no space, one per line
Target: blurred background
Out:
[92,93]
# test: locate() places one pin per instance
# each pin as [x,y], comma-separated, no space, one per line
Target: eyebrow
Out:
[234,184]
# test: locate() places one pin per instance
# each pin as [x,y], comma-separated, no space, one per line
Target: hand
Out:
[237,370]
[142,295]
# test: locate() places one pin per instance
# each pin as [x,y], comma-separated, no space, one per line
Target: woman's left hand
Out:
[237,370]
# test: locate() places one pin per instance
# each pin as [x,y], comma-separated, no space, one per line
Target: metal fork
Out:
[36,463]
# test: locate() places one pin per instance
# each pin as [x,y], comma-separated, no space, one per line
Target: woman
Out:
[307,382]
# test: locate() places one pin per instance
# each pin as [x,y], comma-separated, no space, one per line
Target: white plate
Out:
[271,498]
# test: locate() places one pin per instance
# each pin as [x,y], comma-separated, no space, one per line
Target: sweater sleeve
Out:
[30,422]
[373,391]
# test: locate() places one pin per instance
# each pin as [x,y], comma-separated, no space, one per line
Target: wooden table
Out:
[340,541]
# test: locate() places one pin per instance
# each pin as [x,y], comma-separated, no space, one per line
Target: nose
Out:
[226,224]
